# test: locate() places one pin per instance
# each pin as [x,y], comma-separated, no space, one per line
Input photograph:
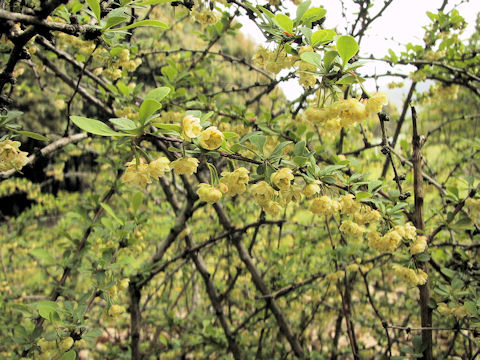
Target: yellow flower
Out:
[273,208]
[191,127]
[208,193]
[375,103]
[116,310]
[350,111]
[66,344]
[349,204]
[367,215]
[159,166]
[352,267]
[324,205]
[185,166]
[351,228]
[123,284]
[211,138]
[387,243]
[282,178]
[235,181]
[419,245]
[311,189]
[10,156]
[137,174]
[411,276]
[262,192]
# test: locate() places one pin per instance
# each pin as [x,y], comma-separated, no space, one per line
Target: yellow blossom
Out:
[351,228]
[349,204]
[411,276]
[375,103]
[367,216]
[185,166]
[273,208]
[208,193]
[116,310]
[66,344]
[123,284]
[137,174]
[236,181]
[311,189]
[282,178]
[211,138]
[191,127]
[159,167]
[324,205]
[350,111]
[10,155]
[419,245]
[262,192]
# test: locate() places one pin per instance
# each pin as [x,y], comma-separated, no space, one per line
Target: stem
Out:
[419,220]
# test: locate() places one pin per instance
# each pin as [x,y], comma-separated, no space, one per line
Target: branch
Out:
[47,150]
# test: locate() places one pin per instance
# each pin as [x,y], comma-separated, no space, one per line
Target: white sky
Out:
[400,24]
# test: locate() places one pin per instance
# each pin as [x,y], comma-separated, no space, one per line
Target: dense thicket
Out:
[160,198]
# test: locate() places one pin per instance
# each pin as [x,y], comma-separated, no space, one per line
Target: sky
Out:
[400,24]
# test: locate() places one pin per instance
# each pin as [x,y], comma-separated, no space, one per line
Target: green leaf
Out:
[69,355]
[347,47]
[448,272]
[349,79]
[328,59]
[46,307]
[42,255]
[137,201]
[284,22]
[307,33]
[153,2]
[114,20]
[170,127]
[158,94]
[154,23]
[362,195]
[258,141]
[312,58]
[152,103]
[229,135]
[299,149]
[301,9]
[323,36]
[313,14]
[95,6]
[32,135]
[123,123]
[278,149]
[110,212]
[423,257]
[94,126]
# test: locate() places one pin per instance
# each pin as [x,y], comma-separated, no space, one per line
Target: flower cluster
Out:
[392,239]
[325,205]
[114,67]
[410,276]
[419,245]
[236,181]
[140,174]
[344,113]
[185,166]
[210,139]
[351,228]
[208,193]
[273,61]
[10,156]
[205,16]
